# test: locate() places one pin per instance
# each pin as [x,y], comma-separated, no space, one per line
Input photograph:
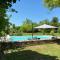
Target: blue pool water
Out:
[25,38]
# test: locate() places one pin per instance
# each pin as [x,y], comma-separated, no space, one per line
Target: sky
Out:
[33,10]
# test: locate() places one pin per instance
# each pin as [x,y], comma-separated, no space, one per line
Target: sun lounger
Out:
[54,38]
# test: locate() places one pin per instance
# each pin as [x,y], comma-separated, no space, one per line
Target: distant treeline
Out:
[27,27]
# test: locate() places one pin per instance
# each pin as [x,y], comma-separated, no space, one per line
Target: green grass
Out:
[36,52]
[39,33]
[57,34]
[33,33]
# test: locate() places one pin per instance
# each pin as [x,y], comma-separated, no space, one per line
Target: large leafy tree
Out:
[26,26]
[52,3]
[27,21]
[5,5]
[54,21]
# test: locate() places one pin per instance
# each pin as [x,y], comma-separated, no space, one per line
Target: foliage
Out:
[58,30]
[4,21]
[15,30]
[43,22]
[27,26]
[19,34]
[5,5]
[52,32]
[54,21]
[27,21]
[2,33]
[52,3]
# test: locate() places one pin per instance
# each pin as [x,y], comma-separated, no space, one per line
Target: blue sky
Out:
[33,10]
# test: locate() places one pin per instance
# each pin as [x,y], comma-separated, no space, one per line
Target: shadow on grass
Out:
[57,41]
[28,55]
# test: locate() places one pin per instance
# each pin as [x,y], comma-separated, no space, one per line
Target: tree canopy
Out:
[4,21]
[44,22]
[54,21]
[52,3]
[4,6]
[6,3]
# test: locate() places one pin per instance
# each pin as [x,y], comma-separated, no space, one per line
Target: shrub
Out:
[58,30]
[52,32]
[2,33]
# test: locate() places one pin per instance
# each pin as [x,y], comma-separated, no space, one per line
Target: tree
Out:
[15,30]
[5,5]
[27,21]
[52,3]
[4,23]
[27,25]
[43,22]
[54,21]
[52,32]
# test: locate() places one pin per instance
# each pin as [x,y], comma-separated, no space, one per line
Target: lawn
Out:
[36,52]
[39,33]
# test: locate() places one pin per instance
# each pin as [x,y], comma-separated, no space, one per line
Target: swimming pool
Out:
[25,38]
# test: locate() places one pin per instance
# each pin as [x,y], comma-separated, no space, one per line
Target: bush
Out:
[58,30]
[2,33]
[18,34]
[52,32]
